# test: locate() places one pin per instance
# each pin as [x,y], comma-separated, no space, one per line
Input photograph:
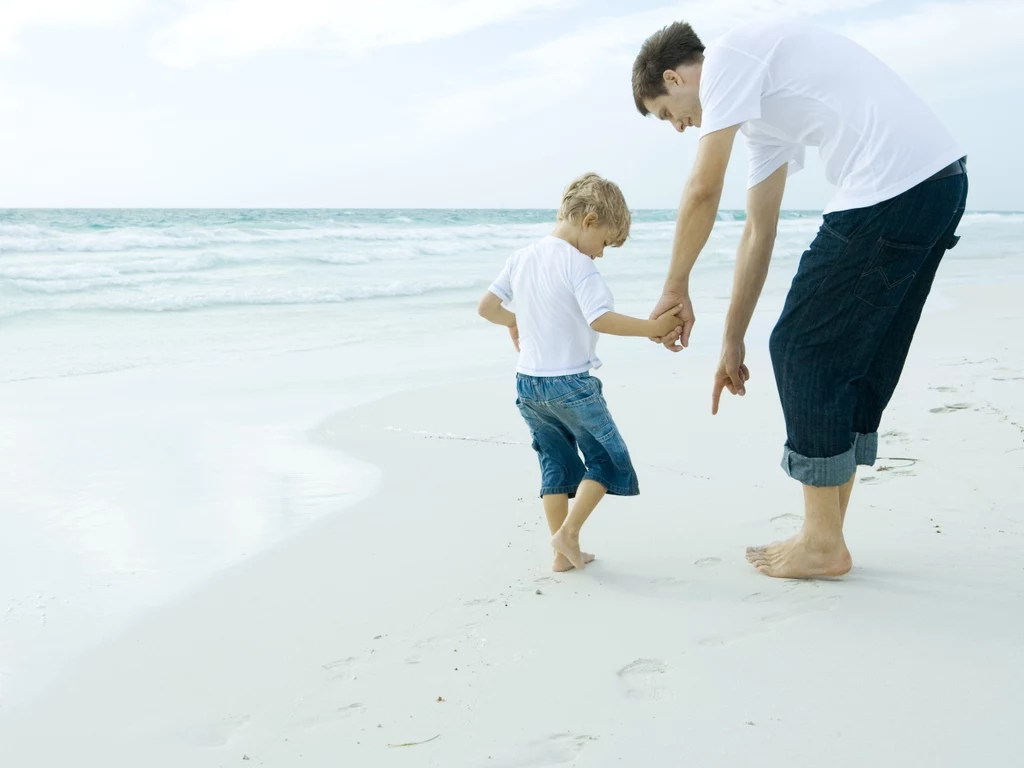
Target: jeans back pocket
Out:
[889,273]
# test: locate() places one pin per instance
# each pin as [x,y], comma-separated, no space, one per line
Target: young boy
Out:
[562,304]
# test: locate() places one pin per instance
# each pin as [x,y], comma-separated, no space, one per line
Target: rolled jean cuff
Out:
[820,472]
[866,448]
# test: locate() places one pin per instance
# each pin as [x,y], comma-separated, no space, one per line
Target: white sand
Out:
[427,612]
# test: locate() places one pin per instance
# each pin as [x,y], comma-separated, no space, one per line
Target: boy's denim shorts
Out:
[568,415]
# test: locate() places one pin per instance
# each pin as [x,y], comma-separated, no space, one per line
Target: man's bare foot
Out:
[801,558]
[569,546]
[562,563]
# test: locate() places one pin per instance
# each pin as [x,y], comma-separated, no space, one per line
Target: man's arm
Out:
[699,205]
[490,309]
[697,212]
[764,202]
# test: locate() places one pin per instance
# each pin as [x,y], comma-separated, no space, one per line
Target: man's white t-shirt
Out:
[792,85]
[558,293]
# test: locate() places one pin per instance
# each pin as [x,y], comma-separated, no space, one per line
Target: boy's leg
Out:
[566,539]
[556,509]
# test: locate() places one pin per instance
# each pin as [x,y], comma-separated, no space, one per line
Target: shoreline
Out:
[438,586]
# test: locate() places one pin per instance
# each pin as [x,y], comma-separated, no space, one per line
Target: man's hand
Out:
[679,303]
[669,323]
[513,332]
[732,372]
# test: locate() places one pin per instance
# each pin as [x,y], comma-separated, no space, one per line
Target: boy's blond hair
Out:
[592,194]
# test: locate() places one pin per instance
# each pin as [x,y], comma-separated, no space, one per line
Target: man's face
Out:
[680,105]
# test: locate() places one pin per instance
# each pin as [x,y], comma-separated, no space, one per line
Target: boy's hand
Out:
[669,322]
[674,341]
[513,332]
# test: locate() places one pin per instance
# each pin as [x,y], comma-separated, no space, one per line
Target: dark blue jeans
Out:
[840,344]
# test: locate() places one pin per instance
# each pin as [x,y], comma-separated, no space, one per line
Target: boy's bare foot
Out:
[562,563]
[801,558]
[568,545]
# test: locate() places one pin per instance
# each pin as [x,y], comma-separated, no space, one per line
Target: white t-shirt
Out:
[793,85]
[558,293]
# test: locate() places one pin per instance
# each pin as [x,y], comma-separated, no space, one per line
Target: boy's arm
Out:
[623,325]
[490,309]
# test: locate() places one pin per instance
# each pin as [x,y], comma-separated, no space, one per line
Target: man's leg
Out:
[566,539]
[835,324]
[814,362]
[876,387]
[818,550]
[556,509]
[844,498]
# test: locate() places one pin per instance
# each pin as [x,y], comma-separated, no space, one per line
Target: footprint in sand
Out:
[895,436]
[643,679]
[805,607]
[668,582]
[332,715]
[809,606]
[560,749]
[945,390]
[787,522]
[480,601]
[951,408]
[343,669]
[708,562]
[220,733]
[800,585]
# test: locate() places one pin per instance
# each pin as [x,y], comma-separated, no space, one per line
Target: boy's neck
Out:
[569,232]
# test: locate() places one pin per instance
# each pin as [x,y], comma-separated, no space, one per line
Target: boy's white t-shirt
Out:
[558,293]
[792,85]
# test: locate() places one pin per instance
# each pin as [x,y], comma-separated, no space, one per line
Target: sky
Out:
[429,103]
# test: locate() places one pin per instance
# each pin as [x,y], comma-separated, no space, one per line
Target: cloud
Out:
[598,57]
[948,49]
[218,30]
[943,49]
[18,15]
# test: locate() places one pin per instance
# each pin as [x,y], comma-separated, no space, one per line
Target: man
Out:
[840,344]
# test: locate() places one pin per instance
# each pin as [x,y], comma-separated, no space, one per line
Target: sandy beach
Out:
[423,627]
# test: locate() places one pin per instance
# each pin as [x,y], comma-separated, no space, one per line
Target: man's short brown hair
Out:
[673,46]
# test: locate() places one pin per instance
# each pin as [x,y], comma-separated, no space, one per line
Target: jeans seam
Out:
[881,207]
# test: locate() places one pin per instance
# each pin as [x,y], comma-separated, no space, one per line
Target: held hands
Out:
[732,372]
[668,323]
[678,303]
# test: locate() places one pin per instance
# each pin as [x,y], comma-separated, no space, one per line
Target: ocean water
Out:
[181,260]
[163,374]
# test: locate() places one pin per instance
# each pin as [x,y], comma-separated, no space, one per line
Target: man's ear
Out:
[671,77]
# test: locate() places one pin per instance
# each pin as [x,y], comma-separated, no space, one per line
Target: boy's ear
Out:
[590,220]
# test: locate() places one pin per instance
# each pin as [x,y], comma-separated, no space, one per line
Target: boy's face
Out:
[593,237]
[680,105]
